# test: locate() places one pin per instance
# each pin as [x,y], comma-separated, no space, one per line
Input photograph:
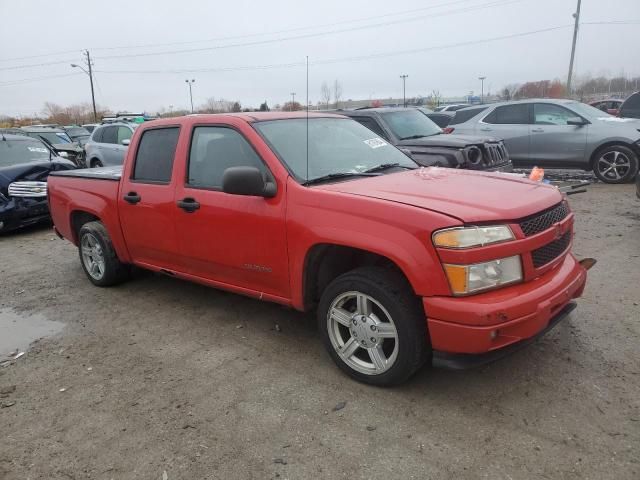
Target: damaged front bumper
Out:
[17,212]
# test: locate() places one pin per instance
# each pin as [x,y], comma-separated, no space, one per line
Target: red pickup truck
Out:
[404,265]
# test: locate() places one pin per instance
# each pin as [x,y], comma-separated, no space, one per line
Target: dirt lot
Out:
[165,376]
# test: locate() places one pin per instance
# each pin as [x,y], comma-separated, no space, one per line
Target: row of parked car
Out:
[489,137]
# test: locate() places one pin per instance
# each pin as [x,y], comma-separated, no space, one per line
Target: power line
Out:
[341,59]
[311,35]
[36,79]
[52,54]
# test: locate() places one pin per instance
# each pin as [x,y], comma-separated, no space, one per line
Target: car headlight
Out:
[468,279]
[468,237]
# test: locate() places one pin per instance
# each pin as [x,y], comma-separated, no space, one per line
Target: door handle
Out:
[132,198]
[486,129]
[188,204]
[537,130]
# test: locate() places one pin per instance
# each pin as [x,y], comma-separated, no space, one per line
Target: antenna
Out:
[307,64]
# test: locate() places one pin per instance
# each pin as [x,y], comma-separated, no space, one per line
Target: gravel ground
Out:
[162,376]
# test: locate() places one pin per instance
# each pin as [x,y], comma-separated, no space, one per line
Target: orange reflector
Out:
[587,263]
[457,275]
[448,238]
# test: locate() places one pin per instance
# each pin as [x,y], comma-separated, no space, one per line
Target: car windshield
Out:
[53,137]
[335,146]
[587,110]
[15,152]
[410,123]
[78,132]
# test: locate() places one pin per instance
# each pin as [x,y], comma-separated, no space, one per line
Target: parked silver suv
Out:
[559,133]
[108,144]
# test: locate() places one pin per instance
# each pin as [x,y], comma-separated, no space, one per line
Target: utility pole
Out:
[191,82]
[293,99]
[90,74]
[481,89]
[573,46]
[404,89]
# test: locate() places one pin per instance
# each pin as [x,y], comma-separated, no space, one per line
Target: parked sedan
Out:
[451,108]
[559,133]
[108,144]
[25,164]
[59,140]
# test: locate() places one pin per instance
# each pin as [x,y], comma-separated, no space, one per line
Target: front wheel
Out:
[615,164]
[373,326]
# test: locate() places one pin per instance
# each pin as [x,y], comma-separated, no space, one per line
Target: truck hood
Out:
[442,140]
[466,195]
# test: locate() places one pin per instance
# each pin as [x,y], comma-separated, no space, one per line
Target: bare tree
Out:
[337,92]
[325,94]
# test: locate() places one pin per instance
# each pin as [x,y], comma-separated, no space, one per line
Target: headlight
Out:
[63,154]
[467,237]
[467,279]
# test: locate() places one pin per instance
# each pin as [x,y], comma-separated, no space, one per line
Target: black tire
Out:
[95,163]
[392,291]
[623,155]
[114,271]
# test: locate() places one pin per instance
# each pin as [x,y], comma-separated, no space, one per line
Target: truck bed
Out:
[104,173]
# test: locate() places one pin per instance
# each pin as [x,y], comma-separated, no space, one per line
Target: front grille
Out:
[541,221]
[550,251]
[28,189]
[495,154]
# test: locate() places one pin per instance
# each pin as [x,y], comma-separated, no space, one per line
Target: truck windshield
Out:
[335,146]
[410,123]
[15,152]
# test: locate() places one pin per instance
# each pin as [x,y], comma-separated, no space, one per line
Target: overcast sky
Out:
[365,44]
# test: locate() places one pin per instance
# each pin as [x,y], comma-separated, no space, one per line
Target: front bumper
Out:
[22,212]
[489,322]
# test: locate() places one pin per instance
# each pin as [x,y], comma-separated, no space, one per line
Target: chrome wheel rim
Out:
[362,333]
[92,256]
[614,165]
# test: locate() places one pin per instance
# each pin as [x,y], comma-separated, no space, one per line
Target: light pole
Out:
[404,89]
[481,88]
[293,99]
[90,74]
[191,82]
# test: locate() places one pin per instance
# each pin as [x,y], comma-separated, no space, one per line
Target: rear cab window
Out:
[155,155]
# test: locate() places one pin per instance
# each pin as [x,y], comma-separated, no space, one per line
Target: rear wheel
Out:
[615,164]
[95,163]
[373,326]
[98,257]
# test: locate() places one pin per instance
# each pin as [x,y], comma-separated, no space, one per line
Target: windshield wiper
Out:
[413,137]
[386,166]
[333,176]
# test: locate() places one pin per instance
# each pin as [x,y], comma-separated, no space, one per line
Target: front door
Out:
[233,239]
[146,199]
[553,142]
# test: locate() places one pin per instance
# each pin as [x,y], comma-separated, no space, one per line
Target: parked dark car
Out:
[79,135]
[409,129]
[59,140]
[25,164]
[630,108]
[442,119]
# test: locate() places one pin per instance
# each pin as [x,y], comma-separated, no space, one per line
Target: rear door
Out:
[553,142]
[120,150]
[232,239]
[146,199]
[510,123]
[107,146]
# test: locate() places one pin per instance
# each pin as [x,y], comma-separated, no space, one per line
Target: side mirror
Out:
[126,142]
[576,121]
[247,181]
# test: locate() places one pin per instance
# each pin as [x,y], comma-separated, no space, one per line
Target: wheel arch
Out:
[611,143]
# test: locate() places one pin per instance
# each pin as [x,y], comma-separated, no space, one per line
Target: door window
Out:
[124,133]
[509,114]
[110,135]
[213,150]
[550,114]
[156,151]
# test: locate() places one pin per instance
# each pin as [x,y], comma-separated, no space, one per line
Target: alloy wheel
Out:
[92,256]
[613,165]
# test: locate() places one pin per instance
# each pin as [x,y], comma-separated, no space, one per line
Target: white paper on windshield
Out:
[37,149]
[375,142]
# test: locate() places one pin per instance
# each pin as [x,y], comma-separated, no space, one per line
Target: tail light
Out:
[448,130]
